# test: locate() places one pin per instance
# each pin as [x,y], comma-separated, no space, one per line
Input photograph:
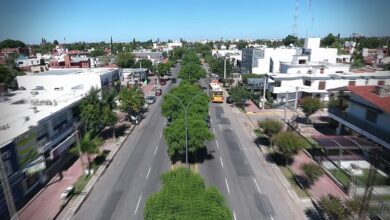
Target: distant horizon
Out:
[92,21]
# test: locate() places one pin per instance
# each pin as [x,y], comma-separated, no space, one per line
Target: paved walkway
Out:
[250,107]
[323,186]
[46,204]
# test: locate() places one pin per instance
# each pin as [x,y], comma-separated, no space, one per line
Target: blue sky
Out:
[94,20]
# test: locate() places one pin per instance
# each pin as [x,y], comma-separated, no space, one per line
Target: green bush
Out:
[312,171]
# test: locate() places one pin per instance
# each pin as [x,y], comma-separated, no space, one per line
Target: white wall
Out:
[323,55]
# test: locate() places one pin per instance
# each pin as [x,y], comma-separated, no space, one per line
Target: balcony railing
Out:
[367,126]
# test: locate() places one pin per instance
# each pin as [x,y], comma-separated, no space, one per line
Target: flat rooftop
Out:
[73,71]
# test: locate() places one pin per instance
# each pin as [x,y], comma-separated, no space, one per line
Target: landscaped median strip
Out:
[72,207]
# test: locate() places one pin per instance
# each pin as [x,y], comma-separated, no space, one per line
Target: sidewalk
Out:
[46,204]
[323,186]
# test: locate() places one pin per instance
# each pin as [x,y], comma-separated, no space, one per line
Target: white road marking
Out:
[220,158]
[214,130]
[217,144]
[234,215]
[155,151]
[272,218]
[136,208]
[147,175]
[211,120]
[258,188]
[161,135]
[227,186]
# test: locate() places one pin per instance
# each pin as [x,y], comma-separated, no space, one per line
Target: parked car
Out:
[229,100]
[163,82]
[158,92]
[135,119]
[150,99]
[173,80]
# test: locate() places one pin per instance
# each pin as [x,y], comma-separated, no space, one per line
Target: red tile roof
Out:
[367,93]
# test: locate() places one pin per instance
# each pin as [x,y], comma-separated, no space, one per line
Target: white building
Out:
[37,122]
[232,55]
[68,79]
[314,81]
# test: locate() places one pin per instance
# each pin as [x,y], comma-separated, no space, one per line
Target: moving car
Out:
[158,92]
[150,99]
[173,80]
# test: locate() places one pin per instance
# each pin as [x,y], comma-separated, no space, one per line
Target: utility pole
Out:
[224,68]
[7,191]
[264,87]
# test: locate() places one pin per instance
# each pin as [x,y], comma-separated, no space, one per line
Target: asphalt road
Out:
[237,168]
[135,172]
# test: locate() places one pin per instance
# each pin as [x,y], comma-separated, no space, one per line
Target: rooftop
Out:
[73,71]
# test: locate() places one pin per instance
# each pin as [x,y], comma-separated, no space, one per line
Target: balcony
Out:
[362,124]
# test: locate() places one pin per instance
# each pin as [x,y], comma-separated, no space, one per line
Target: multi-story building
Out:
[155,57]
[67,61]
[364,110]
[234,56]
[37,124]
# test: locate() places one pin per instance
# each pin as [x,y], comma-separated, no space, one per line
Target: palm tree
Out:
[90,146]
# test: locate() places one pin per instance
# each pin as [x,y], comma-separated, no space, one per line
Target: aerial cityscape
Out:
[215,110]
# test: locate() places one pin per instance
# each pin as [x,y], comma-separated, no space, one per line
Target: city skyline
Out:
[73,21]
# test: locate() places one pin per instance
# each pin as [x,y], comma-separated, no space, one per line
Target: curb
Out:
[68,213]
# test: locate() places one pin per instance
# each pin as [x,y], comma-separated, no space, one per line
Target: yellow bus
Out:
[216,93]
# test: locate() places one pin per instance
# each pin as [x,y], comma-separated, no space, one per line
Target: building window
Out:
[278,83]
[381,83]
[307,83]
[322,70]
[322,85]
[352,83]
[366,82]
[301,61]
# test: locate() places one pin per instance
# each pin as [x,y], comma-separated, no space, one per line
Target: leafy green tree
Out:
[131,99]
[125,59]
[185,196]
[7,75]
[8,43]
[329,40]
[163,68]
[290,39]
[310,105]
[109,118]
[192,72]
[97,52]
[91,109]
[90,145]
[217,66]
[55,42]
[312,172]
[242,44]
[145,63]
[270,127]
[175,135]
[333,207]
[239,94]
[289,143]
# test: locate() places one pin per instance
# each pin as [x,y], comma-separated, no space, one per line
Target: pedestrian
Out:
[60,174]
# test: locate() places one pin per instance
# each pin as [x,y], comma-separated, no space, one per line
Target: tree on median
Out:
[185,196]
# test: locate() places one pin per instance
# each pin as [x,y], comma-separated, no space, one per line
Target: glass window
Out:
[307,83]
[371,115]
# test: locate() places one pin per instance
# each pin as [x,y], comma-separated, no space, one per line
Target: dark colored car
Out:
[173,80]
[158,92]
[163,82]
[229,100]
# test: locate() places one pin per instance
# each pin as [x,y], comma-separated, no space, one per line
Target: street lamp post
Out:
[185,108]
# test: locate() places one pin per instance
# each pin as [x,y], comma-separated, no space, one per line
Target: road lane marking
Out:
[161,134]
[155,151]
[272,218]
[227,185]
[136,208]
[147,175]
[220,158]
[234,215]
[258,188]
[214,130]
[217,144]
